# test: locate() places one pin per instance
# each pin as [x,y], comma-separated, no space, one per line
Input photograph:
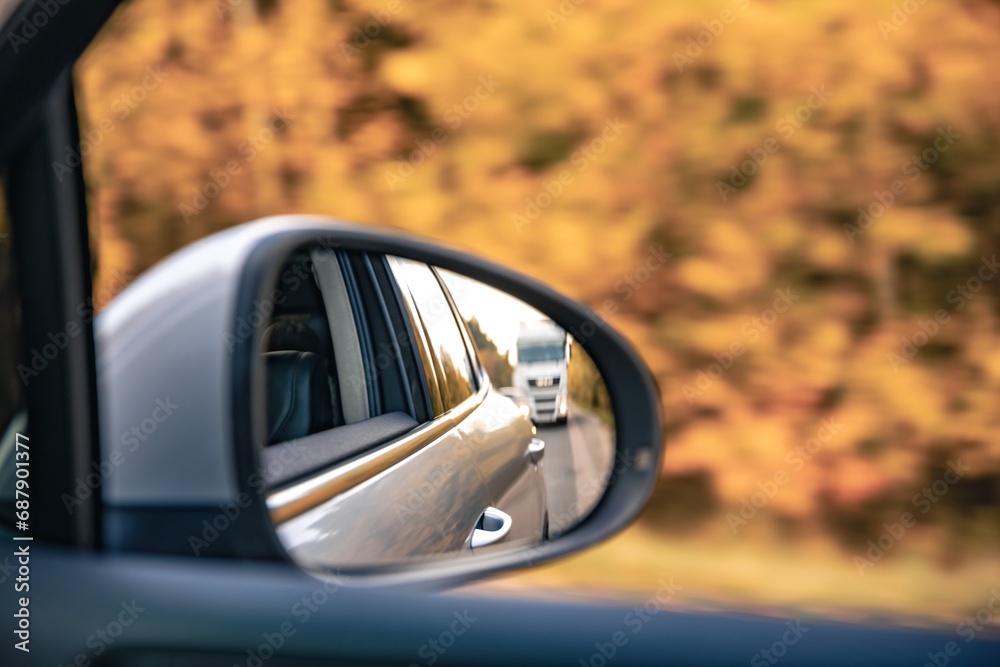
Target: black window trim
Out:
[364,335]
[393,338]
[418,378]
[48,216]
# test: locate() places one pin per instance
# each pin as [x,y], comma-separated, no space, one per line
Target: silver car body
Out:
[167,340]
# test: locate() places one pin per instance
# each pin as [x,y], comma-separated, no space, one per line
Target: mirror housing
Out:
[176,354]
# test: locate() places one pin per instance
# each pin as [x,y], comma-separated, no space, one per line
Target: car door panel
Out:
[499,435]
[426,504]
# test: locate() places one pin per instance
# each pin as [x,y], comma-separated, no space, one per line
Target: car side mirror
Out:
[366,402]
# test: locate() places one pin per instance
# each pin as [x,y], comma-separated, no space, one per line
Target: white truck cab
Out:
[541,370]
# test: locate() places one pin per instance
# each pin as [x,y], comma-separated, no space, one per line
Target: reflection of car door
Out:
[496,433]
[514,478]
[429,498]
[457,392]
[501,436]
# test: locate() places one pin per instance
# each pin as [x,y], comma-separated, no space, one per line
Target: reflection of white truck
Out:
[541,370]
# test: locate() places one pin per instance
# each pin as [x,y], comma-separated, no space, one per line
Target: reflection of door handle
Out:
[536,450]
[493,526]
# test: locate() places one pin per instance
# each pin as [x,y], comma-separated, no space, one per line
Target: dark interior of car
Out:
[302,393]
[304,404]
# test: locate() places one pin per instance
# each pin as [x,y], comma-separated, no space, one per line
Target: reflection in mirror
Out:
[412,413]
[552,381]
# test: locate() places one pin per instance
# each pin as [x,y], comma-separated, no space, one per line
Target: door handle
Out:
[493,526]
[536,450]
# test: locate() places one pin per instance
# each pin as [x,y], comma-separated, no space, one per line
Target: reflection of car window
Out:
[13,418]
[529,353]
[434,311]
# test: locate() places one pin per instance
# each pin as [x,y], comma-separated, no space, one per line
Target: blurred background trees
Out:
[825,177]
[586,386]
[497,365]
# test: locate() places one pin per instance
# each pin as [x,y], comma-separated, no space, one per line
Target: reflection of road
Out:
[578,458]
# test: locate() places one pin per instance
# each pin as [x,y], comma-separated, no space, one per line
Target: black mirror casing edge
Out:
[635,397]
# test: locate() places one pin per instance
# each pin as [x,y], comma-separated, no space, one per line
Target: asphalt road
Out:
[578,459]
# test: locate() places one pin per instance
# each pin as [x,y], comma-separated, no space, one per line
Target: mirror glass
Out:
[412,413]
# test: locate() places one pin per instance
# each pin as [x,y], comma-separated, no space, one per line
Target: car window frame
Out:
[49,229]
[13,419]
[364,333]
[428,361]
[408,351]
[380,286]
[436,361]
[478,372]
[378,329]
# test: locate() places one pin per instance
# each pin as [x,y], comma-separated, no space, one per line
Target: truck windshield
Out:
[529,353]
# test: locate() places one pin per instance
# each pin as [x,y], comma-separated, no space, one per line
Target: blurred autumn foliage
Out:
[497,365]
[790,208]
[586,386]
